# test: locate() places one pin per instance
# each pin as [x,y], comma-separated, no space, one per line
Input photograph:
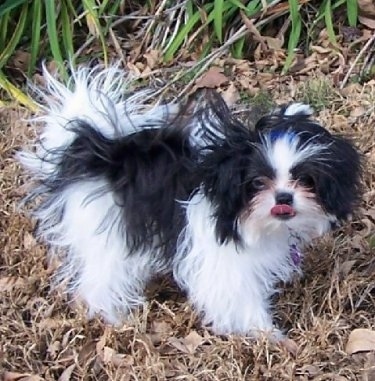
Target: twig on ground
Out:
[359,56]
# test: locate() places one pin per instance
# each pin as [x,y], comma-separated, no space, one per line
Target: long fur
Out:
[130,191]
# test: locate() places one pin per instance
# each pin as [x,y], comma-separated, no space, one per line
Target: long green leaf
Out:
[294,34]
[329,22]
[253,7]
[237,48]
[238,4]
[16,93]
[11,4]
[93,18]
[4,29]
[352,12]
[67,29]
[218,19]
[51,17]
[183,33]
[14,40]
[35,34]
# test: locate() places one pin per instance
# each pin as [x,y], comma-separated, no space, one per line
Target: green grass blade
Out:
[237,48]
[93,22]
[67,29]
[238,4]
[72,9]
[190,8]
[253,7]
[51,17]
[16,93]
[294,34]
[320,14]
[102,6]
[11,4]
[113,10]
[183,33]
[352,12]
[16,36]
[218,19]
[36,13]
[329,22]
[4,28]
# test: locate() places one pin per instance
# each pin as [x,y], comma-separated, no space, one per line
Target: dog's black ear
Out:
[213,122]
[339,187]
[284,114]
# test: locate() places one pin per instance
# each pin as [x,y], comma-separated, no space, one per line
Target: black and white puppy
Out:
[129,191]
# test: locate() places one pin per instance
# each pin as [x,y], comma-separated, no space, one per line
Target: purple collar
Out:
[295,253]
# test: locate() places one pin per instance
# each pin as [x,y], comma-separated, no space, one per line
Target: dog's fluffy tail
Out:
[99,97]
[77,210]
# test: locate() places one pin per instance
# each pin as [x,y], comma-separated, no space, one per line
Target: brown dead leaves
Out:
[14,376]
[360,340]
[188,344]
[367,13]
[212,78]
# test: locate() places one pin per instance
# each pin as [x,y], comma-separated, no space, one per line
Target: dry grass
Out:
[42,335]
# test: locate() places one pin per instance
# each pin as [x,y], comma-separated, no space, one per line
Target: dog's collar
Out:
[295,253]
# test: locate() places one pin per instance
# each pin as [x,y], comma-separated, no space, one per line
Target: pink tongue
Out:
[282,210]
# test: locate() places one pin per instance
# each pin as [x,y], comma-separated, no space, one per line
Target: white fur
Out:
[105,276]
[298,108]
[231,285]
[96,264]
[283,154]
[99,96]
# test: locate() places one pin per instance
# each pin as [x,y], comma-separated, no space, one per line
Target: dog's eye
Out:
[259,183]
[306,181]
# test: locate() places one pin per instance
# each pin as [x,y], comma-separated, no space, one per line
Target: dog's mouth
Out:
[283,211]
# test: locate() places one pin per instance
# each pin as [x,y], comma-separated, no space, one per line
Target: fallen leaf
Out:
[213,78]
[67,373]
[360,340]
[367,7]
[309,371]
[290,345]
[274,43]
[9,283]
[160,330]
[231,95]
[110,357]
[187,345]
[14,376]
[54,348]
[368,372]
[107,355]
[152,58]
[346,267]
[367,21]
[87,352]
[357,112]
[28,241]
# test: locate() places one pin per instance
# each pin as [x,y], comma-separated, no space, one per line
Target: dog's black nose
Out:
[284,198]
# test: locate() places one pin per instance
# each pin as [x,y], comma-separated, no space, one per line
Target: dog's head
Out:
[289,173]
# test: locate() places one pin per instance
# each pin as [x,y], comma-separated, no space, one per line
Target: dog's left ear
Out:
[285,115]
[213,122]
[339,187]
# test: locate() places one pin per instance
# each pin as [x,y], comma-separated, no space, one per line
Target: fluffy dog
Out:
[127,192]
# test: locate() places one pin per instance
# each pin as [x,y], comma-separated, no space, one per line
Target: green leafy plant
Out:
[51,29]
[57,30]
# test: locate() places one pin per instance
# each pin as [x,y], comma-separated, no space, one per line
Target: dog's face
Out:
[288,173]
